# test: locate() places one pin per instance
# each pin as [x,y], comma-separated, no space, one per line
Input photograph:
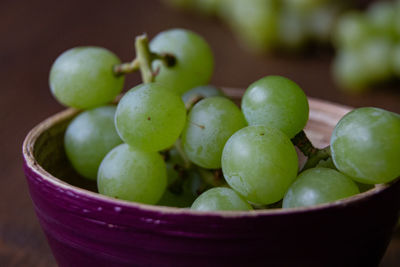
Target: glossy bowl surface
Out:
[84,228]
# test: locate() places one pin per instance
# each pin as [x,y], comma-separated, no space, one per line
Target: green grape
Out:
[292,29]
[210,124]
[83,77]
[89,137]
[352,30]
[376,58]
[317,186]
[260,163]
[349,72]
[134,175]
[220,198]
[396,59]
[255,21]
[194,59]
[150,117]
[278,102]
[381,16]
[203,91]
[365,145]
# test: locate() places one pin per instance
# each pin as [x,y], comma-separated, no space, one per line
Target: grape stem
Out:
[314,155]
[143,61]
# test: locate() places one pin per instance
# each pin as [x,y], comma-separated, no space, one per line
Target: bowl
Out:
[84,228]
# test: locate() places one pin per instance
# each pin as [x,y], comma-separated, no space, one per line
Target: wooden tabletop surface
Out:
[34,33]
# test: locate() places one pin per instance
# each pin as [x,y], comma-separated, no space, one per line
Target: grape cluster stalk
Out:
[176,141]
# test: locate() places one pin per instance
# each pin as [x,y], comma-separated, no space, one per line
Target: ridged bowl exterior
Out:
[86,229]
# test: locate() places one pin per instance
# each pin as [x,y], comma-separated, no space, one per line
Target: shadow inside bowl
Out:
[49,153]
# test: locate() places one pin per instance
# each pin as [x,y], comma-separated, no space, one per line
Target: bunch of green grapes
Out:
[262,25]
[368,46]
[175,141]
[119,146]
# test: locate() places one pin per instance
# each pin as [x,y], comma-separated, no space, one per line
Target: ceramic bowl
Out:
[84,228]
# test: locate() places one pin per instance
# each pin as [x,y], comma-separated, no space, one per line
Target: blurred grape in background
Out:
[265,25]
[367,41]
[367,44]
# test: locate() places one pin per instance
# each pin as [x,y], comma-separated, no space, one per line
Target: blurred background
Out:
[346,52]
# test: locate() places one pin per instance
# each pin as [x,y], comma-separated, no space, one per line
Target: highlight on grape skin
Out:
[83,77]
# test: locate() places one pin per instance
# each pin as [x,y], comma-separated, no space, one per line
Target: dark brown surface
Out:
[33,33]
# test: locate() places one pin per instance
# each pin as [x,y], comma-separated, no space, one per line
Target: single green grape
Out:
[349,72]
[194,60]
[365,145]
[150,117]
[278,102]
[317,186]
[89,137]
[220,198]
[130,174]
[255,22]
[209,125]
[83,77]
[352,29]
[200,92]
[260,163]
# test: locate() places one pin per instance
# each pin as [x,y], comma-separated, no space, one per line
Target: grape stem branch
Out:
[143,61]
[314,155]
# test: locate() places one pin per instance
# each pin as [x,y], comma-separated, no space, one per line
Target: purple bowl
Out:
[84,228]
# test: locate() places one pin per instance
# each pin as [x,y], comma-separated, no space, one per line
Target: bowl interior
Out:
[49,153]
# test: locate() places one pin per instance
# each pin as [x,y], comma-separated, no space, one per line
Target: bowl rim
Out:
[33,165]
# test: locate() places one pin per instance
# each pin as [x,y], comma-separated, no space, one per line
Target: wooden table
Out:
[34,33]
